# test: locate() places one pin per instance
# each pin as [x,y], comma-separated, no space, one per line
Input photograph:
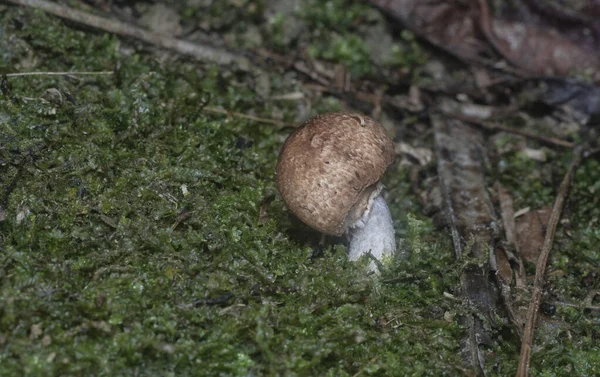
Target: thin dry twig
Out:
[499,127]
[507,213]
[19,74]
[182,217]
[200,52]
[275,122]
[540,270]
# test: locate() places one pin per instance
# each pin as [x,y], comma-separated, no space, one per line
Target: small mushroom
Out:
[328,175]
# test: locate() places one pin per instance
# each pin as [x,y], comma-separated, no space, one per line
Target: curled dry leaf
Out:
[446,24]
[540,51]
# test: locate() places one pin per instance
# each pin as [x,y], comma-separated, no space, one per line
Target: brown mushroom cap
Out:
[329,167]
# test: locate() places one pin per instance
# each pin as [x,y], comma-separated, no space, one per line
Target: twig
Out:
[200,52]
[58,73]
[507,213]
[496,126]
[540,270]
[275,122]
[182,217]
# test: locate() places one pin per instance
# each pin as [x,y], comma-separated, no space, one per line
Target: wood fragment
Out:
[540,270]
[507,213]
[470,216]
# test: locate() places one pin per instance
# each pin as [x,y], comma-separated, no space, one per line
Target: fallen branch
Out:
[540,270]
[19,74]
[200,52]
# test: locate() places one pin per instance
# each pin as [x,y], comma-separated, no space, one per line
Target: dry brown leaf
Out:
[469,31]
[531,229]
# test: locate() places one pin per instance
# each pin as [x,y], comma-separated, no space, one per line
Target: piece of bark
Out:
[470,216]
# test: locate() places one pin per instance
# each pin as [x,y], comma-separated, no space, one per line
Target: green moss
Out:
[339,15]
[349,50]
[410,54]
[133,242]
[532,183]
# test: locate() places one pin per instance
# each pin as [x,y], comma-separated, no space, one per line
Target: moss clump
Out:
[133,241]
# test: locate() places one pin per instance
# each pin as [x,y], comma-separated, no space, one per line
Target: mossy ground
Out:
[141,237]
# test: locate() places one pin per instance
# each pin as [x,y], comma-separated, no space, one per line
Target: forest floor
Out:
[141,232]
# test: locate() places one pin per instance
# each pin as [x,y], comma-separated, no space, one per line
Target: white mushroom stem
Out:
[373,232]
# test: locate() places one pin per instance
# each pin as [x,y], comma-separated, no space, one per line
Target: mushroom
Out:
[328,175]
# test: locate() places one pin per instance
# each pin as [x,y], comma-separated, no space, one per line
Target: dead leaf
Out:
[469,31]
[503,265]
[531,229]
